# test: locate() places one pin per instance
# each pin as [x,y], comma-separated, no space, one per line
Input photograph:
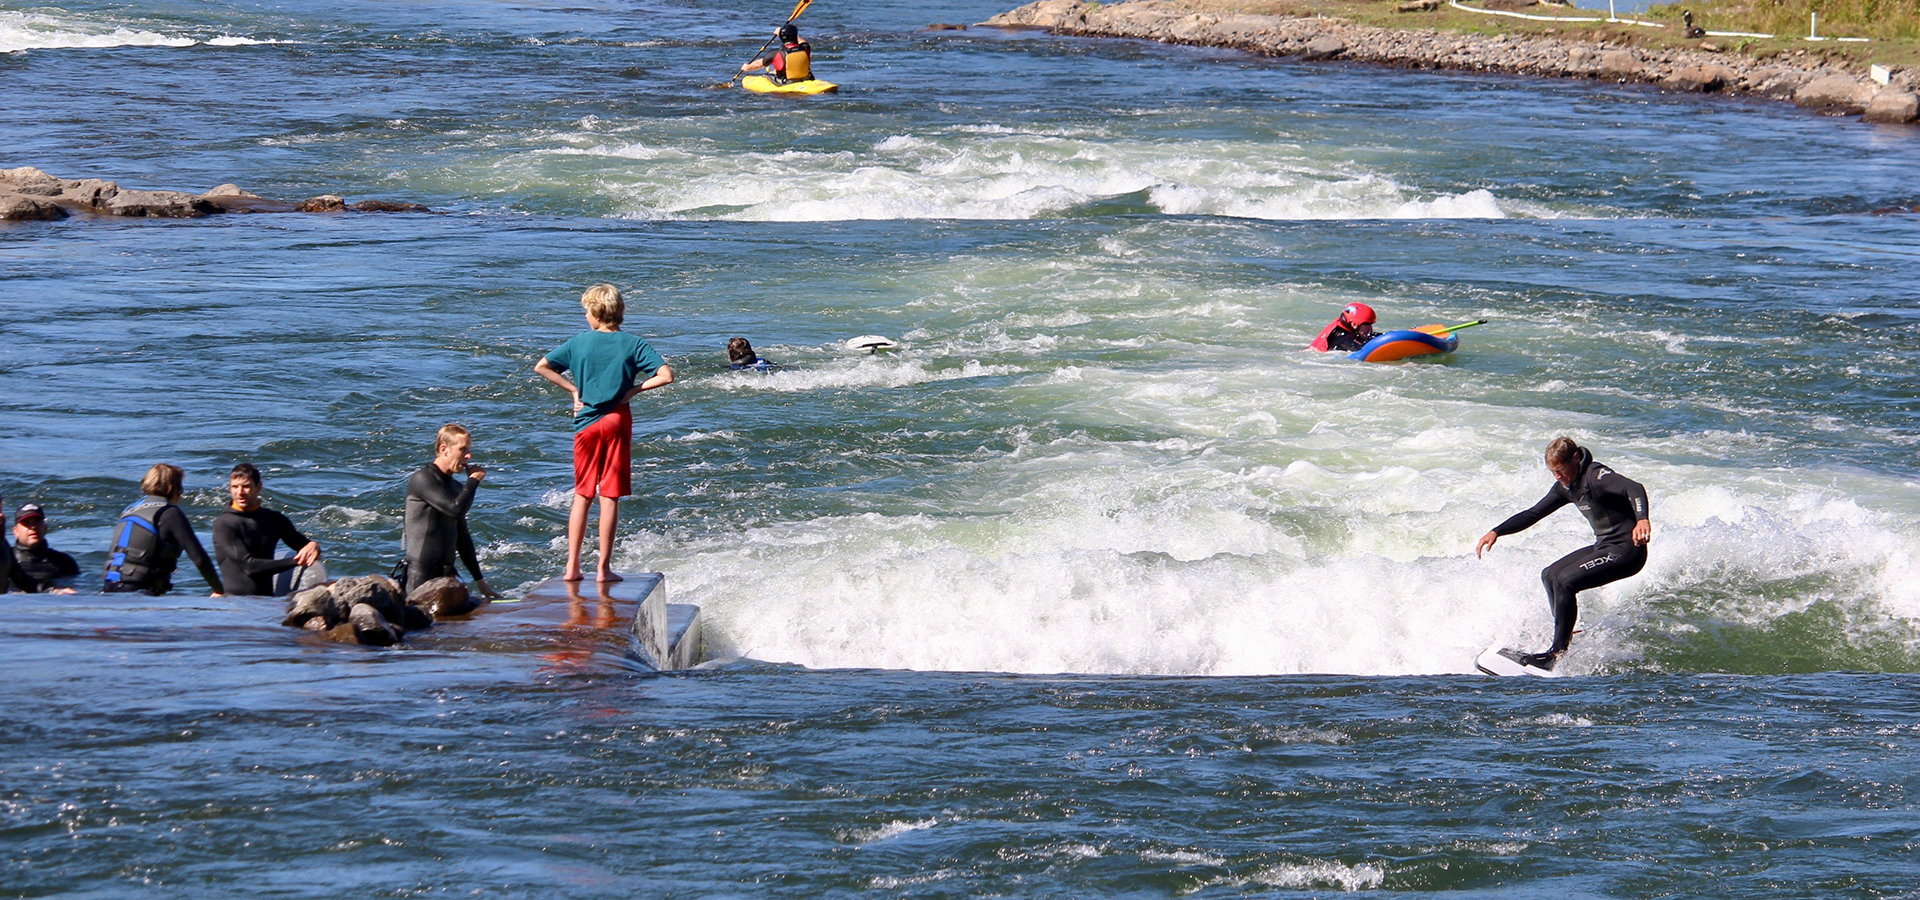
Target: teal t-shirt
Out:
[605,365]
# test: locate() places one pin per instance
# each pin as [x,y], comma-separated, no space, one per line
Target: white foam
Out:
[45,31]
[1262,544]
[967,172]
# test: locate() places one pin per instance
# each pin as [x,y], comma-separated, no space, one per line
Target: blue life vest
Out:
[140,557]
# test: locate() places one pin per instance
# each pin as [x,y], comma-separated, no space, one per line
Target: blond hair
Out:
[604,303]
[163,480]
[446,435]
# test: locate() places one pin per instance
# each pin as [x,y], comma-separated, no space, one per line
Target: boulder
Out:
[1700,79]
[314,605]
[372,628]
[1418,6]
[159,205]
[1893,107]
[322,203]
[1843,92]
[1324,47]
[1044,14]
[1620,65]
[32,181]
[231,190]
[414,618]
[1775,82]
[25,207]
[91,193]
[387,206]
[443,597]
[376,591]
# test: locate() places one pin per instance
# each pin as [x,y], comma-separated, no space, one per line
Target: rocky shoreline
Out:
[28,194]
[1806,81]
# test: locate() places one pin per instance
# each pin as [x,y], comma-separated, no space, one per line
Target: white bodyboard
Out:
[872,343]
[1505,662]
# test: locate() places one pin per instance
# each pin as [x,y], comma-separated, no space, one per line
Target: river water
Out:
[1099,586]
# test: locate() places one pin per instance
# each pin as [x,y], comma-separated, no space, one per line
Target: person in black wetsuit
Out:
[151,535]
[37,568]
[437,513]
[244,536]
[1616,507]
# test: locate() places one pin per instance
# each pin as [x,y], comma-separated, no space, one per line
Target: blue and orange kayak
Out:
[1427,340]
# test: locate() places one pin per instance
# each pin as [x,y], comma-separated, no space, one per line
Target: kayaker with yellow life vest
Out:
[792,62]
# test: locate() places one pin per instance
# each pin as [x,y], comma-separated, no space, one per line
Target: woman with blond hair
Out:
[150,536]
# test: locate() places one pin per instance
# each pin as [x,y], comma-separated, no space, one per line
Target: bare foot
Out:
[573,575]
[607,577]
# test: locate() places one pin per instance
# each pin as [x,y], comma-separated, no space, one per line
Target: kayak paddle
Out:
[1438,330]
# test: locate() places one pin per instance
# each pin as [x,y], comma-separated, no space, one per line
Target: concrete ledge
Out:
[665,637]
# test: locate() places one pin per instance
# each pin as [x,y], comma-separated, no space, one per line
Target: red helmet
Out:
[1357,314]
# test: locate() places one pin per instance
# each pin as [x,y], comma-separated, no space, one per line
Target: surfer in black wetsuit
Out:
[244,537]
[1616,507]
[437,513]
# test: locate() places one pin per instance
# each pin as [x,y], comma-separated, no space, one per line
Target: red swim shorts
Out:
[603,455]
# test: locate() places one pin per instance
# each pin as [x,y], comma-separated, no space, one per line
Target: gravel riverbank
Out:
[1807,81]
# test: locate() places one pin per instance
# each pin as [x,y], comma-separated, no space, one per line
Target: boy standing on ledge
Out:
[607,367]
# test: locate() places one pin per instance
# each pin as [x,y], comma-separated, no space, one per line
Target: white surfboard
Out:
[1505,662]
[872,343]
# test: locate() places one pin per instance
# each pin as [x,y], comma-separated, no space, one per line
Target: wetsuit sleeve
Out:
[1625,489]
[65,565]
[438,494]
[175,528]
[467,554]
[1524,520]
[288,534]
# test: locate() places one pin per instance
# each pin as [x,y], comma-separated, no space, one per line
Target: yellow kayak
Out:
[761,84]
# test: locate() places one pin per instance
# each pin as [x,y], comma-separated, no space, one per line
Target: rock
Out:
[91,193]
[231,190]
[1620,65]
[158,205]
[25,208]
[32,181]
[1834,92]
[387,206]
[341,633]
[1893,107]
[415,618]
[314,605]
[322,203]
[371,628]
[443,597]
[1700,79]
[376,591]
[1043,14]
[943,26]
[1508,5]
[1324,47]
[1774,82]
[1418,6]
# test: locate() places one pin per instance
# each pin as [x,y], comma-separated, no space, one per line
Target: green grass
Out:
[1885,20]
